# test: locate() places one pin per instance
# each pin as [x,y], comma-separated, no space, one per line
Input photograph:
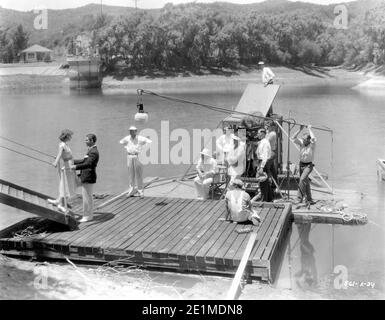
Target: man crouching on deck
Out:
[134,144]
[238,205]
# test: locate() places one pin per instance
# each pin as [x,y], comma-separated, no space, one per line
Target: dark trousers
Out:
[266,191]
[272,171]
[304,183]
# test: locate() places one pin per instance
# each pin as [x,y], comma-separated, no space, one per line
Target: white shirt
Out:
[225,143]
[267,75]
[306,154]
[135,146]
[207,166]
[263,151]
[272,137]
[237,160]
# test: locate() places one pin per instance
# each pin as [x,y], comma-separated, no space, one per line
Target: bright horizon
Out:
[28,5]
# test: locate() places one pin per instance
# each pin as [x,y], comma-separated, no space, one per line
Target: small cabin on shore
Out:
[36,53]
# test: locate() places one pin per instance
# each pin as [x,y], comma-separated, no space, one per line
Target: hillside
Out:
[213,35]
[67,22]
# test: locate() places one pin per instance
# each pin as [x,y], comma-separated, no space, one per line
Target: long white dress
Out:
[67,184]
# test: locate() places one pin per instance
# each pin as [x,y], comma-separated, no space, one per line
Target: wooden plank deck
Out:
[183,235]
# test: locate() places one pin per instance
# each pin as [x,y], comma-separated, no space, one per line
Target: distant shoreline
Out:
[46,76]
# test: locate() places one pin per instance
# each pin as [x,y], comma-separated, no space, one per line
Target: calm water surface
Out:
[357,118]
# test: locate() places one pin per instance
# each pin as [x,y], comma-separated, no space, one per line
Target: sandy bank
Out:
[50,76]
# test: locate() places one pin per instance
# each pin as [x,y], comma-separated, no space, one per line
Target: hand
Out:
[309,127]
[301,127]
[260,171]
[54,164]
[73,167]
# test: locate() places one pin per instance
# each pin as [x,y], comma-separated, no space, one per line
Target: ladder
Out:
[34,202]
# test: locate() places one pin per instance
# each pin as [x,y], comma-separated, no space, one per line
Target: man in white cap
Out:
[238,204]
[224,144]
[134,144]
[236,159]
[206,167]
[263,154]
[267,75]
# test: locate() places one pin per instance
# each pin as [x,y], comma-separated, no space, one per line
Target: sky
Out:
[27,5]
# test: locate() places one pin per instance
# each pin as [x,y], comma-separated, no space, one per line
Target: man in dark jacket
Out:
[87,167]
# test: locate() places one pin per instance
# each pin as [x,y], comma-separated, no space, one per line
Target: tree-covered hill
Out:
[219,34]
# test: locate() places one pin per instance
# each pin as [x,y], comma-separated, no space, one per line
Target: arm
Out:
[264,156]
[124,141]
[145,141]
[55,163]
[295,136]
[87,163]
[313,138]
[198,167]
[219,144]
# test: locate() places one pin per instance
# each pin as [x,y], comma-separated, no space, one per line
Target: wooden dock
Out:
[182,235]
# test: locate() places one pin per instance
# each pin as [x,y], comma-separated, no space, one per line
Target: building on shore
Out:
[36,53]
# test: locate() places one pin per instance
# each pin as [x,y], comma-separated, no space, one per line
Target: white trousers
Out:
[202,187]
[88,201]
[135,172]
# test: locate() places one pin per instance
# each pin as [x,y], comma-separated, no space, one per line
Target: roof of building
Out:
[36,48]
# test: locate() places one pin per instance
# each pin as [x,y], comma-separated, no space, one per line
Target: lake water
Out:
[35,118]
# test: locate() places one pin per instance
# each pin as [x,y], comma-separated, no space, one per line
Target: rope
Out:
[26,155]
[22,145]
[220,109]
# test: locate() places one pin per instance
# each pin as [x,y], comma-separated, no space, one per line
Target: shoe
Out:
[200,198]
[53,202]
[296,202]
[311,202]
[85,219]
[129,192]
[62,209]
[255,219]
[140,193]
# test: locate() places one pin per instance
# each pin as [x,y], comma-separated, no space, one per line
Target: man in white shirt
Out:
[236,159]
[271,135]
[134,145]
[306,157]
[263,154]
[224,144]
[206,168]
[267,74]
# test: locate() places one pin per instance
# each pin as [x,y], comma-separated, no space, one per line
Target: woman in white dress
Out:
[63,161]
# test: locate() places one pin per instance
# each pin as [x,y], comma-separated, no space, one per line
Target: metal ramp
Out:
[34,202]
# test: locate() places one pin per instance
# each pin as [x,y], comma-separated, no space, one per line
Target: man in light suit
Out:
[87,167]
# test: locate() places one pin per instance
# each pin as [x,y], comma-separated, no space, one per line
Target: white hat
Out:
[261,63]
[132,128]
[206,152]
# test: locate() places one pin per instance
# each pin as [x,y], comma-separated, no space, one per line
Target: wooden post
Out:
[235,291]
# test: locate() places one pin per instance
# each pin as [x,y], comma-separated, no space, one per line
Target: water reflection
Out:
[307,276]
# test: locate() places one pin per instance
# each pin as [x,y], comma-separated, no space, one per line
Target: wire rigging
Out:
[27,147]
[220,109]
[26,155]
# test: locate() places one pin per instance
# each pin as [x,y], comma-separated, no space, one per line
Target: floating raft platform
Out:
[173,234]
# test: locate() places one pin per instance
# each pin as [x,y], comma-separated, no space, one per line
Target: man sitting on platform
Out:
[206,167]
[238,204]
